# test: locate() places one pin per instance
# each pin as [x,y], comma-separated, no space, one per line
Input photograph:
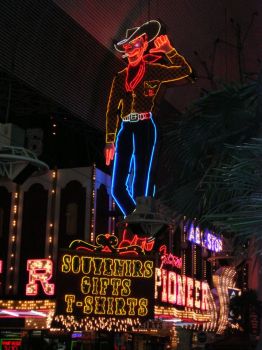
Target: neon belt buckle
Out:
[133,117]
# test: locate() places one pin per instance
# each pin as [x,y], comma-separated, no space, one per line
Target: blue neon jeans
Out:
[131,177]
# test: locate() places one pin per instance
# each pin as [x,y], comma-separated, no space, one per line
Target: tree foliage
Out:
[215,160]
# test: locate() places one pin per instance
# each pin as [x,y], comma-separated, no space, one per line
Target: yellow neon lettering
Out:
[119,266]
[128,272]
[142,307]
[120,306]
[85,285]
[88,308]
[131,302]
[104,282]
[110,301]
[66,263]
[100,305]
[70,300]
[126,284]
[148,268]
[76,266]
[97,265]
[95,285]
[86,264]
[116,282]
[108,263]
[137,268]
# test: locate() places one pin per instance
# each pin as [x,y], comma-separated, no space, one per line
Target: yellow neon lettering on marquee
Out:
[104,283]
[66,263]
[97,262]
[95,285]
[119,267]
[110,303]
[88,308]
[70,300]
[100,305]
[142,307]
[148,268]
[76,265]
[108,267]
[128,272]
[86,264]
[126,284]
[85,285]
[116,282]
[137,268]
[131,302]
[120,307]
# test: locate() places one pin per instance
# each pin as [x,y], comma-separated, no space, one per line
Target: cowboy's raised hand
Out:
[162,44]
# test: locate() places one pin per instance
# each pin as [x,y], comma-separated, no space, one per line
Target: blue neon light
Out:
[151,159]
[132,168]
[113,176]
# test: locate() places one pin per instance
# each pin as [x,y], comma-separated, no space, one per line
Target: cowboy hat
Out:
[151,28]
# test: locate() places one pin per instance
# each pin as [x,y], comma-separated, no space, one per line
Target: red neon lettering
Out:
[132,240]
[171,287]
[197,294]
[169,259]
[204,304]
[190,287]
[40,270]
[181,290]
[158,281]
[164,280]
[181,285]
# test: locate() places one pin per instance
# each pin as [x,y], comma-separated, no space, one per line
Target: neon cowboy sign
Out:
[204,238]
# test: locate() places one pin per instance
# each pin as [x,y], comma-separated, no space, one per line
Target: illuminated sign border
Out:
[105,286]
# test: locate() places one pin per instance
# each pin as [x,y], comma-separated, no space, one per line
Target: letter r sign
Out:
[40,271]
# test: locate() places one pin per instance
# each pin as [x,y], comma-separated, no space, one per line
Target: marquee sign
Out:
[108,286]
[175,289]
[205,238]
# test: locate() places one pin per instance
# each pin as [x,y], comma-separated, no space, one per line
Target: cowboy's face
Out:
[135,49]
